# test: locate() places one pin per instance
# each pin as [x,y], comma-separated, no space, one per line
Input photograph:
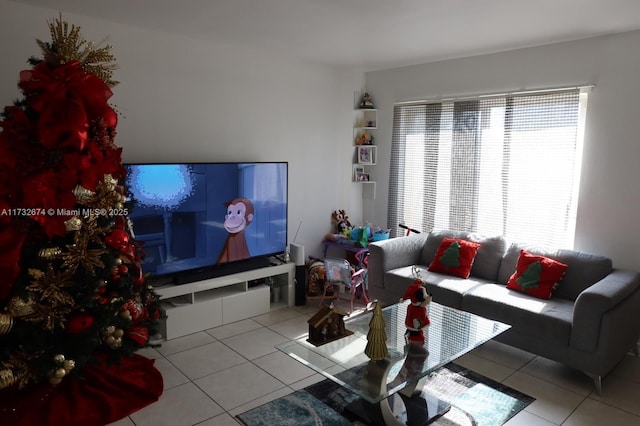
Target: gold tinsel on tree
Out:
[71,279]
[67,45]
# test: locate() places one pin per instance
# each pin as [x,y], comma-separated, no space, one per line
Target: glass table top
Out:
[452,333]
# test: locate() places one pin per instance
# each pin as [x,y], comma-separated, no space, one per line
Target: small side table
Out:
[348,247]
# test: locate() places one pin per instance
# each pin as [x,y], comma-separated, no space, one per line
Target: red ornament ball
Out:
[139,334]
[118,239]
[110,117]
[79,322]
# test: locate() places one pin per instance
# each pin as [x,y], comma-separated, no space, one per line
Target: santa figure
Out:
[417,318]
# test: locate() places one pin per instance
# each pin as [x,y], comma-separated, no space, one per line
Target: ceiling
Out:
[371,34]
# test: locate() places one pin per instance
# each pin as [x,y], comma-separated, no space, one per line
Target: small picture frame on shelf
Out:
[363,177]
[357,171]
[365,155]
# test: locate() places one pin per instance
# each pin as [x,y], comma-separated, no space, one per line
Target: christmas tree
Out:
[451,256]
[531,276]
[72,285]
[376,348]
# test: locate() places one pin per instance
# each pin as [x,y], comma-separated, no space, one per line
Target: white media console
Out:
[217,301]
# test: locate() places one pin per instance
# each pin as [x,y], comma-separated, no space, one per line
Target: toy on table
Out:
[342,226]
[376,348]
[341,222]
[327,325]
[417,318]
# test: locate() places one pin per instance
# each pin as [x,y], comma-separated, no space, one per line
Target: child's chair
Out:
[362,257]
[339,272]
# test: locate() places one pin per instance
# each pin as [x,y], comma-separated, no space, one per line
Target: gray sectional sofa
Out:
[590,323]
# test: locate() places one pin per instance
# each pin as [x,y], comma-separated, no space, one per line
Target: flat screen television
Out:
[202,220]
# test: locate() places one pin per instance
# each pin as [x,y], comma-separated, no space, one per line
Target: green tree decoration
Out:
[531,276]
[376,348]
[451,256]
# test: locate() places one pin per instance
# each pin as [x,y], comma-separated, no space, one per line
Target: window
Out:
[502,164]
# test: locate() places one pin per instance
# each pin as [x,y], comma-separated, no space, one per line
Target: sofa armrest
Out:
[595,301]
[393,253]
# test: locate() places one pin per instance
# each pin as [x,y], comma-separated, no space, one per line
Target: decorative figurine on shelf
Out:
[366,102]
[417,318]
[364,139]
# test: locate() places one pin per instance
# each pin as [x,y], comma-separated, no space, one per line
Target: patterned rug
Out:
[475,401]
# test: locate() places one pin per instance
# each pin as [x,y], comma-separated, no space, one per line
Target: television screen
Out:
[192,216]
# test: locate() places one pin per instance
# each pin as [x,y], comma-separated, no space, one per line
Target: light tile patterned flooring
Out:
[211,376]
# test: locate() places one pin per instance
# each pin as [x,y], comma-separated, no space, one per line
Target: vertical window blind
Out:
[499,164]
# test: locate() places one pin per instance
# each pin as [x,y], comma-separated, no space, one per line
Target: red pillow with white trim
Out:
[454,257]
[536,276]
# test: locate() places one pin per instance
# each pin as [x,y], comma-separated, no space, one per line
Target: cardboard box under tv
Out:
[217,301]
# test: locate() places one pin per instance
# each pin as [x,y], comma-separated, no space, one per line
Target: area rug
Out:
[297,409]
[484,401]
[475,401]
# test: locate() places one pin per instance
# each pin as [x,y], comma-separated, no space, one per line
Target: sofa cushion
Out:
[489,256]
[487,262]
[434,239]
[454,257]
[536,276]
[583,269]
[550,319]
[445,289]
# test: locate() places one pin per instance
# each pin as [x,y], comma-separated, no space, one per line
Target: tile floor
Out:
[211,376]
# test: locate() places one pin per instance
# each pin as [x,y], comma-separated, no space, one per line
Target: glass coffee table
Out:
[391,390]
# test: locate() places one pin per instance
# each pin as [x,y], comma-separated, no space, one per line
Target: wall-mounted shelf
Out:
[365,122]
[366,118]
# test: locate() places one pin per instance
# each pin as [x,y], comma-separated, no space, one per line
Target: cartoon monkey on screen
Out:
[239,216]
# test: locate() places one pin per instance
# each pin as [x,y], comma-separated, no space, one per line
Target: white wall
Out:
[609,204]
[187,100]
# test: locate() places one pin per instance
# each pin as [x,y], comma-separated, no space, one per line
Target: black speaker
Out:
[297,256]
[301,285]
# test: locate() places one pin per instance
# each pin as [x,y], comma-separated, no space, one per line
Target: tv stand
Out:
[212,302]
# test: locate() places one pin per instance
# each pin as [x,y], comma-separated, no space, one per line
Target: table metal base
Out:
[419,409]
